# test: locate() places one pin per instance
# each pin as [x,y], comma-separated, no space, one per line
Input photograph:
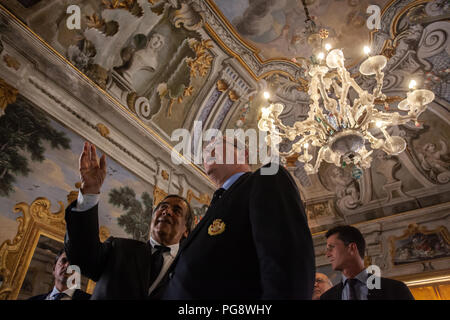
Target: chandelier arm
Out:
[377,90]
[359,90]
[327,100]
[395,118]
[318,160]
[352,111]
[337,88]
[280,124]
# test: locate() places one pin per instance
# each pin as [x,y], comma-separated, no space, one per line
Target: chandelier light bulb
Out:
[266,95]
[306,145]
[328,47]
[366,50]
[379,124]
[412,84]
[321,56]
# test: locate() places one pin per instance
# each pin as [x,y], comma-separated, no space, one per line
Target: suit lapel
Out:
[209,216]
[211,213]
[339,290]
[142,264]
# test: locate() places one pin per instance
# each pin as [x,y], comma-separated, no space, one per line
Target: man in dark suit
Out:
[345,250]
[60,290]
[122,268]
[252,243]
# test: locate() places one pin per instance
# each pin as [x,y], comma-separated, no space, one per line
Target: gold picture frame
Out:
[15,255]
[418,244]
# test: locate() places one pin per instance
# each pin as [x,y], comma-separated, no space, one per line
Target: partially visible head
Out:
[322,284]
[223,157]
[60,267]
[345,247]
[172,220]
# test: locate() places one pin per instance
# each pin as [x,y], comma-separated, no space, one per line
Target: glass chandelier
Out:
[338,128]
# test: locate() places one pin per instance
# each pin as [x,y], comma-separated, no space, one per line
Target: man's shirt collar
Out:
[232,180]
[69,292]
[173,248]
[362,277]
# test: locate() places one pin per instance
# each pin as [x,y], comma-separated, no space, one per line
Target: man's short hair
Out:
[189,215]
[60,252]
[349,234]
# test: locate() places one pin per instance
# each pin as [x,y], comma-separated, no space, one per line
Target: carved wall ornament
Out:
[130,5]
[346,188]
[435,161]
[165,175]
[187,17]
[102,129]
[109,28]
[94,21]
[203,198]
[158,195]
[319,211]
[11,62]
[8,94]
[222,85]
[201,64]
[418,244]
[233,95]
[386,165]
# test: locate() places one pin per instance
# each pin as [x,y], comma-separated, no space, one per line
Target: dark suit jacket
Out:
[77,295]
[121,267]
[390,290]
[265,251]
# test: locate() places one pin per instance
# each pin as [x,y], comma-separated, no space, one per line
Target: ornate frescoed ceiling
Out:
[170,63]
[277,28]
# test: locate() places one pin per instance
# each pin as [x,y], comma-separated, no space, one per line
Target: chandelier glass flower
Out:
[344,132]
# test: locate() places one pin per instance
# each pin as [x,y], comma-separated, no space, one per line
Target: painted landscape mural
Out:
[39,158]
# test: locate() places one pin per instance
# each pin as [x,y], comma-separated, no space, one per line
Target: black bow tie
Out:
[162,249]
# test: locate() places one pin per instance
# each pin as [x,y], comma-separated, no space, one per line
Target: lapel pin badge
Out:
[217,227]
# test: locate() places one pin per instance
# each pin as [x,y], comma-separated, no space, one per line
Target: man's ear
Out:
[354,248]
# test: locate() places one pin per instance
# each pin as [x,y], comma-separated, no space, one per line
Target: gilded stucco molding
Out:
[8,95]
[203,198]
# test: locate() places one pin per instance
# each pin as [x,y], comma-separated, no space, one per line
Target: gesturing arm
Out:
[82,242]
[282,238]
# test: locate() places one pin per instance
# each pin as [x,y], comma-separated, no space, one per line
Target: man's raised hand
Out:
[92,172]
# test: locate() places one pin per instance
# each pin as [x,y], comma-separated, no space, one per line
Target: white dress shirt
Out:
[168,259]
[68,292]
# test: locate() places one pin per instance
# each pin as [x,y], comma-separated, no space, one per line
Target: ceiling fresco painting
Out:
[277,28]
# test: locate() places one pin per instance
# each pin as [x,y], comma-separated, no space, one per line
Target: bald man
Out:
[322,284]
